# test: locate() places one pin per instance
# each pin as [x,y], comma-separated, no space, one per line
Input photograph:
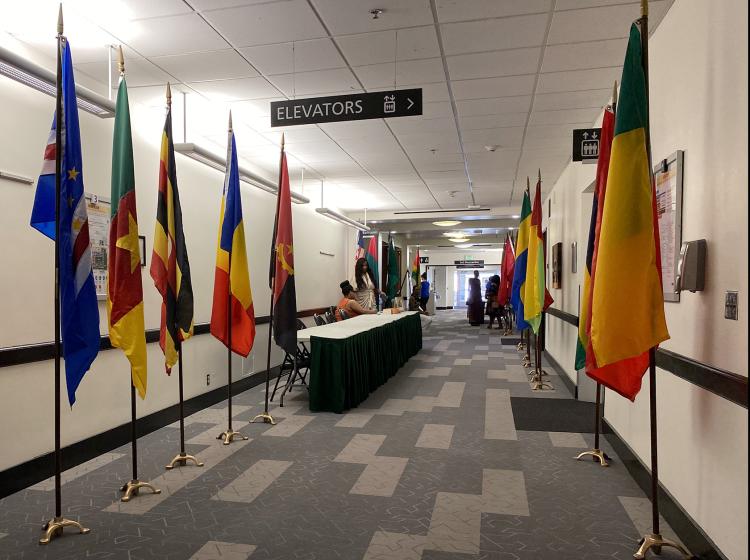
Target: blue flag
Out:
[522,255]
[78,306]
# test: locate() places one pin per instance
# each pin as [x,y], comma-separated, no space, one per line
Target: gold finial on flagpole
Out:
[644,8]
[230,120]
[169,95]
[60,20]
[120,61]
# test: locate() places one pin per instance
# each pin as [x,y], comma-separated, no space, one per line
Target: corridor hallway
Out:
[454,457]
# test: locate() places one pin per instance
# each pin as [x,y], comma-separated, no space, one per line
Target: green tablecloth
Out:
[345,371]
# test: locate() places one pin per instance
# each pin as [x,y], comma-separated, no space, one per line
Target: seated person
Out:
[415,300]
[349,304]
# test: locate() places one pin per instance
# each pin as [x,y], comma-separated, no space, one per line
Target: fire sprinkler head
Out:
[375,13]
[490,148]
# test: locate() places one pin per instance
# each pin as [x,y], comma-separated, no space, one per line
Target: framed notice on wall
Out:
[668,180]
[98,209]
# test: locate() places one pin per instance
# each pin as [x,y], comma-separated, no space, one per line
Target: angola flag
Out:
[536,298]
[627,304]
[125,291]
[169,262]
[231,277]
[602,167]
[522,255]
[506,272]
[415,270]
[284,292]
[372,258]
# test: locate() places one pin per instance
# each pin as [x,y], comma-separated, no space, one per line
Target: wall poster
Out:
[98,209]
[668,180]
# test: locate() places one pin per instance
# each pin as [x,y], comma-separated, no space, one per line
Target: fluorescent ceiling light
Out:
[515,216]
[212,160]
[446,223]
[443,210]
[458,239]
[26,72]
[464,245]
[332,214]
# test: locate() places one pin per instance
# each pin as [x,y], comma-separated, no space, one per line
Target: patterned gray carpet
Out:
[430,467]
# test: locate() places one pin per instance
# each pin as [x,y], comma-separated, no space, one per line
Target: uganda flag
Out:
[233,298]
[536,298]
[602,167]
[627,304]
[125,291]
[284,293]
[169,262]
[522,256]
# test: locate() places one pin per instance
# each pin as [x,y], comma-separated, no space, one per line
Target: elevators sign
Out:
[360,106]
[586,144]
[466,263]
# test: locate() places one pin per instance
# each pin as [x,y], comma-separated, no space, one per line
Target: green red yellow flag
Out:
[535,296]
[124,290]
[627,304]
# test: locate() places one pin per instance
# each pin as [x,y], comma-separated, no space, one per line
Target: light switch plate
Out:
[730,305]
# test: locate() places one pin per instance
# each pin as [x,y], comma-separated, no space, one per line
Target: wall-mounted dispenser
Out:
[691,269]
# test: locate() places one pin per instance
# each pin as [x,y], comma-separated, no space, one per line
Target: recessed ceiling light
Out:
[458,239]
[446,223]
[515,216]
[463,245]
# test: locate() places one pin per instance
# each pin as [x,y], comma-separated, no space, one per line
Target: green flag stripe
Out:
[632,109]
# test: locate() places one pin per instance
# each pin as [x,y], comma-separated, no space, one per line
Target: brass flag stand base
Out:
[182,460]
[54,528]
[133,487]
[656,542]
[596,455]
[230,435]
[540,384]
[264,417]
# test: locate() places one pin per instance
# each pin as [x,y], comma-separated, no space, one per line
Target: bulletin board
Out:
[668,179]
[98,210]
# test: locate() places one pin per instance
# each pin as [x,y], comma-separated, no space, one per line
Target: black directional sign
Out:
[360,106]
[586,144]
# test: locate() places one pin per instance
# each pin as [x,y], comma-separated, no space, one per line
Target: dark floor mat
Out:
[552,415]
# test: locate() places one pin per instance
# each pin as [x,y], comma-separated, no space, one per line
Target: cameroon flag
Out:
[535,296]
[602,167]
[627,304]
[169,262]
[522,256]
[124,290]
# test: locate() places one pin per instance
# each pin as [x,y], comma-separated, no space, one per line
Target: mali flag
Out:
[535,296]
[627,304]
[231,278]
[284,291]
[169,263]
[602,167]
[522,254]
[415,270]
[125,290]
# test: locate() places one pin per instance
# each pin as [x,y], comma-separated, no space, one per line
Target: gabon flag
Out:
[602,168]
[522,257]
[282,265]
[627,304]
[170,268]
[231,278]
[125,290]
[535,296]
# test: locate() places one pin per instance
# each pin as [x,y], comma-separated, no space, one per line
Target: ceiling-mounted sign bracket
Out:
[356,107]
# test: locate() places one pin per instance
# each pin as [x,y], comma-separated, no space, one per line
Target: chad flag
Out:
[125,291]
[627,304]
[232,295]
[535,296]
[284,293]
[169,263]
[522,255]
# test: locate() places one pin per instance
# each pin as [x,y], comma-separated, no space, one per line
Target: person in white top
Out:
[364,284]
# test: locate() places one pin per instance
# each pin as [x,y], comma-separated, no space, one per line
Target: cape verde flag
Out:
[78,306]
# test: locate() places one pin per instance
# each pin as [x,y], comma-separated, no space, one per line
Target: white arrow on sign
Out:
[585,135]
[411,104]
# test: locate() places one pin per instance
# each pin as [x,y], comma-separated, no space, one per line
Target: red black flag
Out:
[282,266]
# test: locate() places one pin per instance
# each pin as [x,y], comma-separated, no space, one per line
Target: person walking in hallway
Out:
[424,293]
[476,305]
[493,306]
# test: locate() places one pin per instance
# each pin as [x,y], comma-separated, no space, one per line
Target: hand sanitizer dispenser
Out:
[691,268]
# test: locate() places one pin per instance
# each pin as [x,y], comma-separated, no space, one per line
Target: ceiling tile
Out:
[434,92]
[321,81]
[494,34]
[408,72]
[202,66]
[205,5]
[139,72]
[578,80]
[148,8]
[494,63]
[572,99]
[420,124]
[169,35]
[376,48]
[493,87]
[492,121]
[236,90]
[460,10]
[505,137]
[302,56]
[276,22]
[565,116]
[437,109]
[494,106]
[347,16]
[357,129]
[578,56]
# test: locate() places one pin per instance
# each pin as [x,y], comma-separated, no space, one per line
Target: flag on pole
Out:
[393,276]
[536,298]
[231,265]
[170,268]
[627,303]
[506,272]
[415,270]
[372,258]
[284,292]
[519,270]
[602,167]
[359,252]
[78,306]
[125,290]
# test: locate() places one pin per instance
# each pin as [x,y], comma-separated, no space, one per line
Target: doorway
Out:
[461,283]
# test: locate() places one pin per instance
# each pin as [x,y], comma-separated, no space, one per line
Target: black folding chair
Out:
[344,314]
[319,320]
[295,369]
[330,316]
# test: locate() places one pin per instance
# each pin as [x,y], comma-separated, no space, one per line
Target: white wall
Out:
[26,287]
[698,72]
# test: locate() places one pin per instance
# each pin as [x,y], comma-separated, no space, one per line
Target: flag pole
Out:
[182,458]
[265,416]
[229,434]
[539,383]
[132,487]
[655,540]
[54,527]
